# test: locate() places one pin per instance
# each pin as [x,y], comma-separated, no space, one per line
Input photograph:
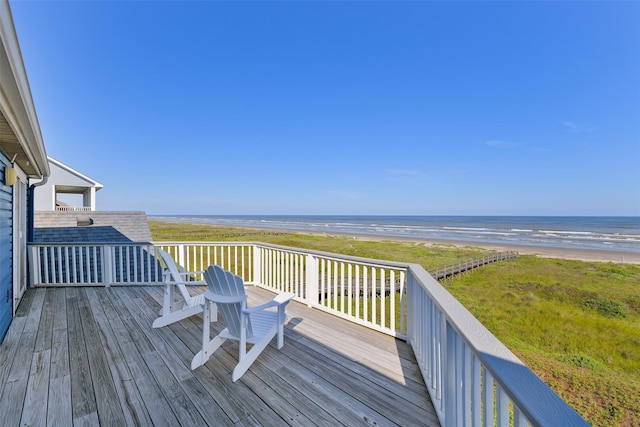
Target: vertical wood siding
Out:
[6,250]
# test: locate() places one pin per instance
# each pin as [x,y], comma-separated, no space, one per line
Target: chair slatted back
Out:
[223,282]
[174,272]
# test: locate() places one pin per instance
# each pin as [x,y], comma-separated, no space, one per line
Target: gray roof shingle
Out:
[105,227]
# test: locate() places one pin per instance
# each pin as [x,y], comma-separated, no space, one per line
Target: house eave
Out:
[20,135]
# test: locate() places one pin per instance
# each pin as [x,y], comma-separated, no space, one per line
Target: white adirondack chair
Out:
[172,310]
[256,325]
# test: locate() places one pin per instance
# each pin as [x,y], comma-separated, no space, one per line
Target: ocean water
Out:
[599,233]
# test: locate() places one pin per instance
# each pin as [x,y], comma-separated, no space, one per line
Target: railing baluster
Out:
[502,407]
[84,265]
[272,267]
[439,367]
[488,399]
[343,285]
[392,300]
[296,275]
[476,398]
[365,293]
[279,270]
[106,265]
[357,268]
[349,289]
[374,299]
[335,296]
[47,263]
[312,281]
[120,272]
[383,297]
[94,260]
[321,266]
[403,302]
[288,272]
[67,275]
[136,260]
[238,263]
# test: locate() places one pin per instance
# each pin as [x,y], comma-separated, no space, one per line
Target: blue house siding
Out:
[6,250]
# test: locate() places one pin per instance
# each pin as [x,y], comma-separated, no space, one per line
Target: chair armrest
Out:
[260,307]
[192,283]
[182,273]
[210,296]
[186,273]
[278,300]
[284,297]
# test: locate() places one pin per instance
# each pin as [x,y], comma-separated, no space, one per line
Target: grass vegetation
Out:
[575,324]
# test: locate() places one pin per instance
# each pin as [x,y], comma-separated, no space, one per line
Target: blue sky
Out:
[414,108]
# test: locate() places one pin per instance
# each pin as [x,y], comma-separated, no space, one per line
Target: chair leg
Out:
[282,318]
[280,340]
[249,357]
[206,324]
[208,349]
[213,308]
[175,316]
[167,300]
[209,346]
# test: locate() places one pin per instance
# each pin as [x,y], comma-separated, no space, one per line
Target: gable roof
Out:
[68,169]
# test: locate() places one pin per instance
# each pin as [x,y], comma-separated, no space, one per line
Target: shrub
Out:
[581,361]
[606,307]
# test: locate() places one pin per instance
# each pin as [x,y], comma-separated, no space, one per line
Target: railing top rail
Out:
[329,255]
[90,244]
[540,404]
[202,243]
[339,257]
[73,208]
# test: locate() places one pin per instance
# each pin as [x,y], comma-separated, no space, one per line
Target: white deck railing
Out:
[73,208]
[93,264]
[473,379]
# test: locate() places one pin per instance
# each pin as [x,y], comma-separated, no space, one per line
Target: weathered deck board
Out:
[59,410]
[89,356]
[109,409]
[83,398]
[15,387]
[136,350]
[126,390]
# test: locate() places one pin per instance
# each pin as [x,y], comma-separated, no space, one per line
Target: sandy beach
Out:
[541,251]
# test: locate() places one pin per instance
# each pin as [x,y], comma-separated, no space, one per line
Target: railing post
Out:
[257,262]
[409,307]
[34,265]
[181,256]
[311,290]
[107,259]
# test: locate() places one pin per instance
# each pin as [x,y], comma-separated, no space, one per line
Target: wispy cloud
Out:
[403,172]
[580,128]
[343,193]
[404,175]
[542,149]
[496,143]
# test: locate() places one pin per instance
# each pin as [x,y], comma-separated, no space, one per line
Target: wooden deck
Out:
[88,356]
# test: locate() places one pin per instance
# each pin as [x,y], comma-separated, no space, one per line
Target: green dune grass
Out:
[575,324]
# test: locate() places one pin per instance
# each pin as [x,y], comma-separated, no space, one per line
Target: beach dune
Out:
[605,239]
[542,251]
